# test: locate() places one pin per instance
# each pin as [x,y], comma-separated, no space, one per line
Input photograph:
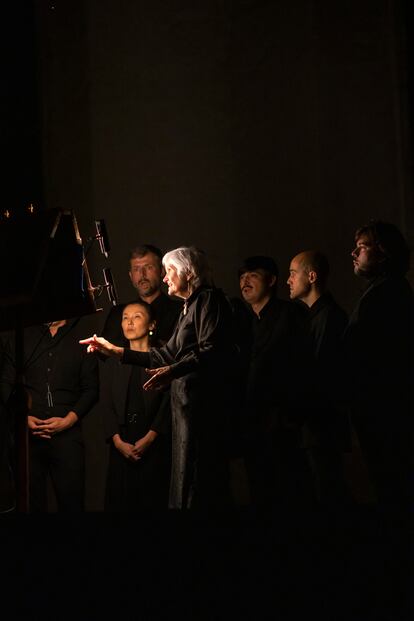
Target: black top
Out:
[326,416]
[122,394]
[59,374]
[379,344]
[135,401]
[166,311]
[328,322]
[279,365]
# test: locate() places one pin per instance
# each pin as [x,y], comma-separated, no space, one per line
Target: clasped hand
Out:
[50,426]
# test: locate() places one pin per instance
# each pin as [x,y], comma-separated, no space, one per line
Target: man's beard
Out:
[147,291]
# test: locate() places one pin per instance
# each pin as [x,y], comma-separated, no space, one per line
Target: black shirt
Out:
[59,374]
[280,360]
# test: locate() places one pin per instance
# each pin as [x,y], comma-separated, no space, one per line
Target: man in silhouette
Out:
[327,430]
[379,345]
[276,464]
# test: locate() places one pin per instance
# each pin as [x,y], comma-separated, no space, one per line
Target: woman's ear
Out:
[152,327]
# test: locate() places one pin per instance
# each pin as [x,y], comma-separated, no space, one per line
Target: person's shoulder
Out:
[387,290]
[239,307]
[209,296]
[216,294]
[330,305]
[33,332]
[293,308]
[164,300]
[171,302]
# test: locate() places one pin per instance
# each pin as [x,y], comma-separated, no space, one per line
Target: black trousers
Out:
[278,471]
[63,458]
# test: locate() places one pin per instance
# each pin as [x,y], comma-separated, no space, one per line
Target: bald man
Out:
[327,432]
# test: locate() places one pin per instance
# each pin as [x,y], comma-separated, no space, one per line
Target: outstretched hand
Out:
[160,378]
[101,345]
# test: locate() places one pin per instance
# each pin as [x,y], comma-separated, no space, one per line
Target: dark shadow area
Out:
[353,565]
[20,124]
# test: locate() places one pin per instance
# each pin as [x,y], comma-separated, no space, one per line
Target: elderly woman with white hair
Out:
[197,362]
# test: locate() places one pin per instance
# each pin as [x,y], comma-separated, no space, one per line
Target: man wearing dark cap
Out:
[379,344]
[276,463]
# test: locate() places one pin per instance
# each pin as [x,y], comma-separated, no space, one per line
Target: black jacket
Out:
[379,346]
[156,414]
[327,413]
[59,375]
[279,365]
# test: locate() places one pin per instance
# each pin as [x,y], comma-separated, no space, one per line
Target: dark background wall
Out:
[242,127]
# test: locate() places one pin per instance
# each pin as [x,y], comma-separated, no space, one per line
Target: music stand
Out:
[45,279]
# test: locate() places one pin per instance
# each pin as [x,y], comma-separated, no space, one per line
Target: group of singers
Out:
[190,381]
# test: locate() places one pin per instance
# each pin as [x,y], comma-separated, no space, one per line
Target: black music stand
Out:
[45,278]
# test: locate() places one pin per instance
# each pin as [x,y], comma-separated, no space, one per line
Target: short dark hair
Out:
[140,251]
[251,264]
[391,243]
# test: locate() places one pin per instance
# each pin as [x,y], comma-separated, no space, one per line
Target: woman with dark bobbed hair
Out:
[197,363]
[137,424]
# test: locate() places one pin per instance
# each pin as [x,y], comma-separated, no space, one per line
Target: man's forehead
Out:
[364,239]
[296,263]
[257,272]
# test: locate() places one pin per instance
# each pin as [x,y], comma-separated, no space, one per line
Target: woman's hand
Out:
[126,449]
[145,442]
[160,378]
[101,345]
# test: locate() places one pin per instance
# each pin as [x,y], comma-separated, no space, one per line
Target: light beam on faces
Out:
[135,322]
[255,286]
[366,257]
[146,274]
[177,285]
[299,280]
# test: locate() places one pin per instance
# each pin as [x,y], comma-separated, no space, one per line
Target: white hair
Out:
[189,261]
